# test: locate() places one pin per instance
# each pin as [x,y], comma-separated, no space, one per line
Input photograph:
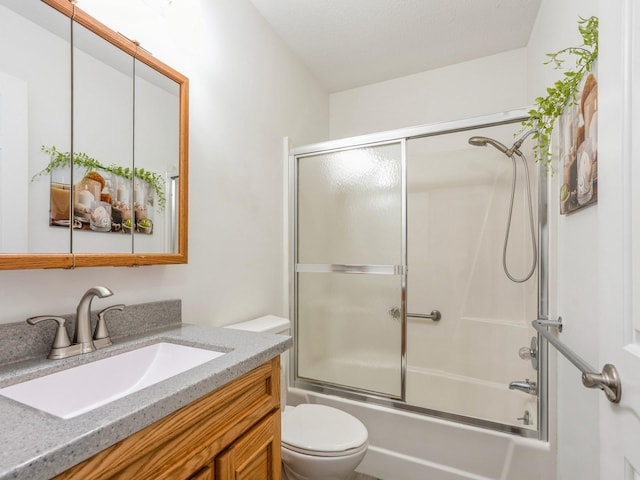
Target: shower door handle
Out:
[435,315]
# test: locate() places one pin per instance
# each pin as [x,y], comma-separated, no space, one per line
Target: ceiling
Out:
[350,43]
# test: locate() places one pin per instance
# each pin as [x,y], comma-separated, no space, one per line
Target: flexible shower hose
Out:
[534,250]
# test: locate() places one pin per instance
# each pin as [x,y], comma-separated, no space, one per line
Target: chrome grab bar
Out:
[435,315]
[608,380]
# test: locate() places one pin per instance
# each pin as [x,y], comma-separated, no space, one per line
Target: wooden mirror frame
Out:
[72,260]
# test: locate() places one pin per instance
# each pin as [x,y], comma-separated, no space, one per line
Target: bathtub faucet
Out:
[527,387]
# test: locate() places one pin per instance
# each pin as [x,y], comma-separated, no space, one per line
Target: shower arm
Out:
[515,148]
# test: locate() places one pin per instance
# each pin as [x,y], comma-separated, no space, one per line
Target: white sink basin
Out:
[71,392]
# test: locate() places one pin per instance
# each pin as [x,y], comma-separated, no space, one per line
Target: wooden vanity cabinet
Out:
[230,433]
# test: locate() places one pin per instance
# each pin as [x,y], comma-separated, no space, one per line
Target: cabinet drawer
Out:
[183,443]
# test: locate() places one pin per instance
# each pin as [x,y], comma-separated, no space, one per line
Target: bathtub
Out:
[471,397]
[409,446]
[488,401]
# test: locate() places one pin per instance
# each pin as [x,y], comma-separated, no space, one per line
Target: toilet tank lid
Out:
[266,324]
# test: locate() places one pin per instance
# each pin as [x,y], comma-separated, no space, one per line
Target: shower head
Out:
[484,141]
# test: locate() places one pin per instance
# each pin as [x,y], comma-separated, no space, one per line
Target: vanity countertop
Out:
[36,445]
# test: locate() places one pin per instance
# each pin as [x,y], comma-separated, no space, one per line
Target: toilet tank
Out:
[266,324]
[271,324]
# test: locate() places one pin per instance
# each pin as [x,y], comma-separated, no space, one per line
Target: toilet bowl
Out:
[321,442]
[318,442]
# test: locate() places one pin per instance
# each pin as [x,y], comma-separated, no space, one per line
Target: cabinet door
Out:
[255,456]
[205,473]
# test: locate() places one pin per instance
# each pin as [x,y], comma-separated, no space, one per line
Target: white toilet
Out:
[318,442]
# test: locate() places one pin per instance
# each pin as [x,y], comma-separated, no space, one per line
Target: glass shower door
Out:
[350,268]
[458,203]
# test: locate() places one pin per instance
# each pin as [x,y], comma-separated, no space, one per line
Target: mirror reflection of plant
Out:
[564,91]
[80,159]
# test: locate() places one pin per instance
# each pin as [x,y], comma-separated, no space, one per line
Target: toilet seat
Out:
[323,431]
[313,453]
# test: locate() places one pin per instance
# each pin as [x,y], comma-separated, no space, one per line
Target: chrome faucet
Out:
[527,387]
[82,335]
[83,340]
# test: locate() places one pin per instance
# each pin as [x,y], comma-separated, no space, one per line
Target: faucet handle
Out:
[61,340]
[101,333]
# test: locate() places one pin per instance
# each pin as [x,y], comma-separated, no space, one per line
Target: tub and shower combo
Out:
[419,260]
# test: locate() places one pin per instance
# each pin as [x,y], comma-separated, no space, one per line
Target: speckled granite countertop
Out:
[35,445]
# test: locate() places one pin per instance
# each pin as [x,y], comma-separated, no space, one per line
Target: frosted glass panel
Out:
[349,207]
[346,335]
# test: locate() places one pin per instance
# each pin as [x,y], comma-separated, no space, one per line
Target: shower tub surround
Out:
[468,234]
[39,446]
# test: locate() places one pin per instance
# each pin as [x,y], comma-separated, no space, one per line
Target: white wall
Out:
[479,87]
[575,246]
[247,92]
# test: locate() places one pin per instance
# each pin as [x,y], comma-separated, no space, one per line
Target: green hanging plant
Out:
[563,92]
[80,159]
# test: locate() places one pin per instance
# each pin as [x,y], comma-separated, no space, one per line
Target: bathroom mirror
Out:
[70,84]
